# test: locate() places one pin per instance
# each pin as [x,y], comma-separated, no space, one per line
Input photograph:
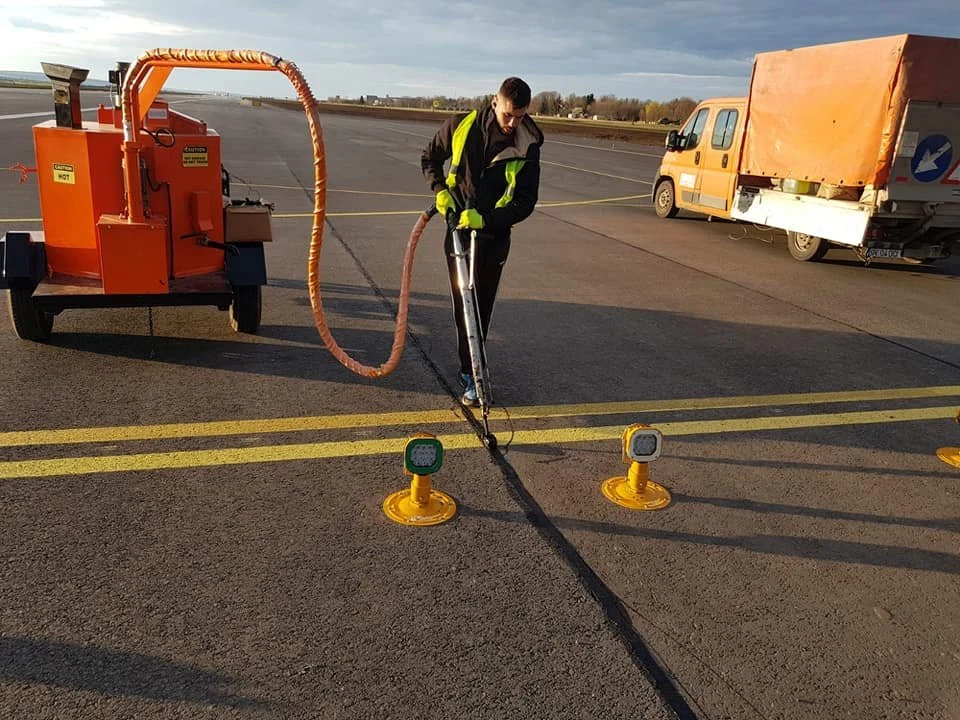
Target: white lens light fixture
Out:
[641,445]
[420,504]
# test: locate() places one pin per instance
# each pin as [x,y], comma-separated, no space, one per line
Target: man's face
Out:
[508,117]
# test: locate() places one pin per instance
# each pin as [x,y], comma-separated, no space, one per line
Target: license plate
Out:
[884,252]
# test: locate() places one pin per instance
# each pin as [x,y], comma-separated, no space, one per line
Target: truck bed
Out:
[832,114]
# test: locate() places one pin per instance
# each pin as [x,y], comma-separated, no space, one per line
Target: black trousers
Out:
[491,255]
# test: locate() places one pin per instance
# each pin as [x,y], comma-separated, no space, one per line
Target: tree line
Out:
[610,107]
[606,107]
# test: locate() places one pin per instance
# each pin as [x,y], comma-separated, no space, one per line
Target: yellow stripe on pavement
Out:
[348,214]
[65,436]
[337,190]
[721,403]
[325,450]
[286,216]
[592,202]
[222,428]
[595,172]
[598,201]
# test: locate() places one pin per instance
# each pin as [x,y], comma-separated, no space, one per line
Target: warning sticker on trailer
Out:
[65,174]
[195,156]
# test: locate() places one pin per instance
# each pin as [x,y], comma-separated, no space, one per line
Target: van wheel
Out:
[664,201]
[29,321]
[806,247]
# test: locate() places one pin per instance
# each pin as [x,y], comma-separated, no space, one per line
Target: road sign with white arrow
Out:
[932,158]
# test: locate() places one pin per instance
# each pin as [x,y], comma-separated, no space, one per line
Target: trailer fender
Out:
[23,259]
[246,264]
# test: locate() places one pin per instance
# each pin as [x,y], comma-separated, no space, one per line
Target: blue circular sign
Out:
[932,158]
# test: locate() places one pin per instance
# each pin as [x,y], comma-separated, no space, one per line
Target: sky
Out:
[639,49]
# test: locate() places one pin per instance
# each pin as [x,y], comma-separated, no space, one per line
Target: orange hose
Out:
[256,60]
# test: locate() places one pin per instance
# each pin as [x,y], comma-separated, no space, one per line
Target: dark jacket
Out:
[482,183]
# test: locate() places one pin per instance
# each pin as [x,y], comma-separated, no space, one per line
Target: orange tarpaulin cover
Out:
[832,113]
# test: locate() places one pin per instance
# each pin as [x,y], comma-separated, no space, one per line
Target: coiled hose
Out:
[256,60]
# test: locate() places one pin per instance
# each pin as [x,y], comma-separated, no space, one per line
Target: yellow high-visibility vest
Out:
[511,170]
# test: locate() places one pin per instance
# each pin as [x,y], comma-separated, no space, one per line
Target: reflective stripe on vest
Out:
[459,140]
[511,170]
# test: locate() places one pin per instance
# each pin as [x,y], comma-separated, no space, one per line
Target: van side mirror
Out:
[673,142]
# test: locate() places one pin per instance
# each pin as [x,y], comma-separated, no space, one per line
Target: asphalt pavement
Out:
[192,523]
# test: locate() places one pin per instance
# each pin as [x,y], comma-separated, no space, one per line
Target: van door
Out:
[718,166]
[686,165]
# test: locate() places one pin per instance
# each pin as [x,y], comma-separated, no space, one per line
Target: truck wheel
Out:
[29,321]
[806,247]
[245,308]
[664,201]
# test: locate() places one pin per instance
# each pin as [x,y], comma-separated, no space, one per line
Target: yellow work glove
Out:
[470,219]
[445,202]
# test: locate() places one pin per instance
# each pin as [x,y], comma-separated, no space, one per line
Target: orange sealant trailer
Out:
[132,216]
[853,144]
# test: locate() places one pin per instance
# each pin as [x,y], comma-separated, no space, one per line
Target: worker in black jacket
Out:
[494,158]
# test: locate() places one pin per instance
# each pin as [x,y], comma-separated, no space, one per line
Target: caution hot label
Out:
[195,156]
[63,173]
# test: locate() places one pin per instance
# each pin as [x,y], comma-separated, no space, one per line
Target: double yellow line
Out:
[550,436]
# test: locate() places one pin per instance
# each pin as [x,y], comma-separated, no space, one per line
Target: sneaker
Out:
[470,390]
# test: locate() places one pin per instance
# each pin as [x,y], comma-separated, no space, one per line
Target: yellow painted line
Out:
[22,438]
[349,214]
[275,216]
[595,172]
[603,149]
[395,212]
[719,403]
[317,451]
[417,212]
[593,202]
[335,190]
[222,428]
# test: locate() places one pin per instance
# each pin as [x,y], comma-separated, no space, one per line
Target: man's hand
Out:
[470,219]
[445,202]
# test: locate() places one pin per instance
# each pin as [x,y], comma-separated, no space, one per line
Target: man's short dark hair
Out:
[516,91]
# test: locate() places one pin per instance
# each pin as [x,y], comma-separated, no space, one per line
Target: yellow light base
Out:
[636,491]
[419,504]
[950,455]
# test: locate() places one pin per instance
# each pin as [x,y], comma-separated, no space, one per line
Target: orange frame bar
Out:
[151,71]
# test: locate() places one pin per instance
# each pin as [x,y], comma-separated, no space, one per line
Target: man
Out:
[495,171]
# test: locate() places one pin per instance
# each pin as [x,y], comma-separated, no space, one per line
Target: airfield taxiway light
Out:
[641,445]
[950,455]
[420,504]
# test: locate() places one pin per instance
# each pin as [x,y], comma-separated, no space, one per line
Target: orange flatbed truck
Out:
[853,144]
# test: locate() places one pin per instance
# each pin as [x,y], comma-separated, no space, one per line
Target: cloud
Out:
[631,48]
[26,24]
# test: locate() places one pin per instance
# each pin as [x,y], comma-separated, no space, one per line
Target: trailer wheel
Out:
[664,200]
[29,321]
[806,247]
[245,308]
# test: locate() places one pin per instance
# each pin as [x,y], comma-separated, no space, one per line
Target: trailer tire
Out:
[806,247]
[664,200]
[29,321]
[245,309]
